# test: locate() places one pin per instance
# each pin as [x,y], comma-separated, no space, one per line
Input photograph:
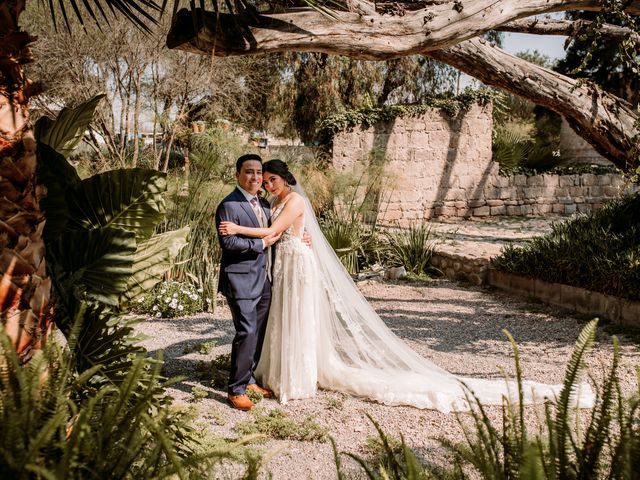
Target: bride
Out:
[322,332]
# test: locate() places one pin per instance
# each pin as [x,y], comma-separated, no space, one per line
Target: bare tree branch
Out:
[566,27]
[368,37]
[604,120]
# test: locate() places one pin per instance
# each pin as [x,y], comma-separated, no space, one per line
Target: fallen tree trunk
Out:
[607,122]
[367,36]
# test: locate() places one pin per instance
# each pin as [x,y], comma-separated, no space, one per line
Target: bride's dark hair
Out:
[279,168]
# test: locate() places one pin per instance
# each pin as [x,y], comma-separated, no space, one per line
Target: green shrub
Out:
[516,150]
[598,250]
[276,424]
[172,299]
[56,424]
[411,247]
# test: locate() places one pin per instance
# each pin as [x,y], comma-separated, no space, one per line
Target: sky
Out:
[551,45]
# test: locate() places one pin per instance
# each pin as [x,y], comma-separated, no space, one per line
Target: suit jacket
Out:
[243,263]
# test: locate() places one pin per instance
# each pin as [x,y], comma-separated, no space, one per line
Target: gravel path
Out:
[458,327]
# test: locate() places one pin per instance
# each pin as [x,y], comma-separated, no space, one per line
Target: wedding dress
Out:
[323,333]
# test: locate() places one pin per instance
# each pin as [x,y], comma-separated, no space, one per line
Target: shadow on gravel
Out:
[457,324]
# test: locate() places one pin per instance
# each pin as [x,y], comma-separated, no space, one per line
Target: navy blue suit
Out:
[243,281]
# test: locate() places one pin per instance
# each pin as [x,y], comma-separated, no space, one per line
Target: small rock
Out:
[394,273]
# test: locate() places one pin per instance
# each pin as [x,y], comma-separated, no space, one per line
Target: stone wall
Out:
[435,166]
[577,149]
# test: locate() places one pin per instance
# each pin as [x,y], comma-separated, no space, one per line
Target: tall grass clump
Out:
[598,250]
[603,444]
[412,247]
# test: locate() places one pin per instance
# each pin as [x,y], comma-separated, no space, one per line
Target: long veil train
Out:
[360,355]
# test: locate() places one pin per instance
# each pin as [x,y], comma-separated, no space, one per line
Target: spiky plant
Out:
[412,247]
[608,446]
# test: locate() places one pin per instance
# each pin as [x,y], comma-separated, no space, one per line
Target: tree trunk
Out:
[607,122]
[24,285]
[136,118]
[370,36]
[442,32]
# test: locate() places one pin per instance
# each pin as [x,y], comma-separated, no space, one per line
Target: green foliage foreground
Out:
[599,250]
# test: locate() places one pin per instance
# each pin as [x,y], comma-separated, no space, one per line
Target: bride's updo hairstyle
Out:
[281,169]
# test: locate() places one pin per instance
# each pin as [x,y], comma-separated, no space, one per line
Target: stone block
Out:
[477,203]
[514,210]
[522,285]
[585,302]
[617,181]
[561,192]
[576,191]
[570,209]
[509,192]
[500,181]
[588,179]
[557,208]
[611,191]
[568,296]
[520,180]
[547,292]
[499,210]
[583,207]
[535,181]
[533,192]
[565,200]
[550,181]
[495,203]
[603,180]
[445,211]
[630,313]
[609,306]
[481,212]
[527,209]
[596,191]
[567,180]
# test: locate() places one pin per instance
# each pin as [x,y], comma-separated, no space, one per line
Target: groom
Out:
[245,278]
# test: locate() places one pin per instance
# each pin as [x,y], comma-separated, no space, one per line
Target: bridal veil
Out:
[360,355]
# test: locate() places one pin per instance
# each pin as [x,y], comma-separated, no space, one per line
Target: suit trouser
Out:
[250,319]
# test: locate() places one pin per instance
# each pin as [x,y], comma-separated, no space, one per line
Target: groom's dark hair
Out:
[245,158]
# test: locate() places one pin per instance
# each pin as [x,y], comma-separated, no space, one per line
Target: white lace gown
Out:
[288,364]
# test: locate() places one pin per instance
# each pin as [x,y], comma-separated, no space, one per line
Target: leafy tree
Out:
[315,85]
[599,58]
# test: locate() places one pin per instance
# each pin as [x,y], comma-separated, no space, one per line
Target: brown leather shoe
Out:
[257,388]
[241,402]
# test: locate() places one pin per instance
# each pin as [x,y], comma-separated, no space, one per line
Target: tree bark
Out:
[607,122]
[24,284]
[567,27]
[367,37]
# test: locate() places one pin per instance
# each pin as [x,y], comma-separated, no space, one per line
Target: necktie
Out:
[257,209]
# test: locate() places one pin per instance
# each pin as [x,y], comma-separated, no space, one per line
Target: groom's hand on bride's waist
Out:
[271,239]
[306,238]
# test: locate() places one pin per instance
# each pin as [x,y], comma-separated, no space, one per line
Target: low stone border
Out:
[460,267]
[618,310]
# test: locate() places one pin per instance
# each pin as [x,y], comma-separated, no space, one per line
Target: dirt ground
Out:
[457,326]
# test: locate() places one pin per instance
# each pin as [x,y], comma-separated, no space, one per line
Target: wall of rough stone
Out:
[436,165]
